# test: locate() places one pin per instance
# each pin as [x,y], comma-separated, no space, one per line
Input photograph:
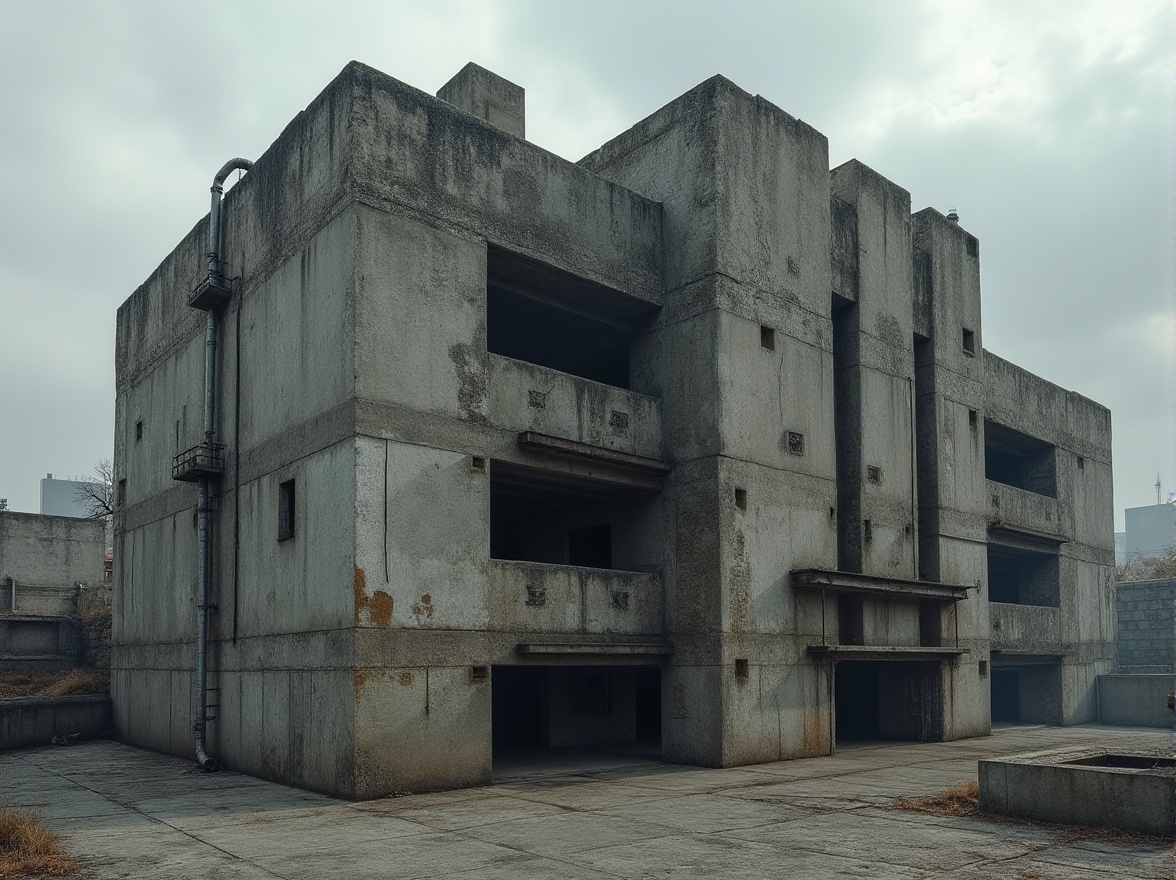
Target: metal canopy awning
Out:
[851,582]
[884,652]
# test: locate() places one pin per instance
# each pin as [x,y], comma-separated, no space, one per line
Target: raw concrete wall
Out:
[1146,617]
[48,556]
[35,721]
[733,277]
[1081,516]
[1138,700]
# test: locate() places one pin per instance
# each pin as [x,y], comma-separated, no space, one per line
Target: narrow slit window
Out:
[286,507]
[767,337]
[969,342]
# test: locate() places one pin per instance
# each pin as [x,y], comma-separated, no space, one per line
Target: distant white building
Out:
[66,497]
[1151,531]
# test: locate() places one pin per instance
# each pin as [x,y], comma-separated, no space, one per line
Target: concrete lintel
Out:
[885,652]
[851,582]
[663,649]
[1026,535]
[533,441]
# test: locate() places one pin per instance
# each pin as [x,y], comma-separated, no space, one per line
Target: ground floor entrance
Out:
[1026,690]
[558,719]
[882,700]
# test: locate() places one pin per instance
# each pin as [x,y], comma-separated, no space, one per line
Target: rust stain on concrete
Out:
[423,608]
[361,599]
[404,678]
[360,681]
[380,608]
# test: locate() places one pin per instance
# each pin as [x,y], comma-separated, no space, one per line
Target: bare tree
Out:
[96,491]
[1156,568]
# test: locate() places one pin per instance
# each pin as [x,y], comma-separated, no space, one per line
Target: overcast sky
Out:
[1048,125]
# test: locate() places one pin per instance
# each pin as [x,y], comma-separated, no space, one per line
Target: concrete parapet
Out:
[37,720]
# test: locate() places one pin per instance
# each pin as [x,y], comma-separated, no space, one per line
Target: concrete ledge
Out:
[34,721]
[1135,700]
[1136,792]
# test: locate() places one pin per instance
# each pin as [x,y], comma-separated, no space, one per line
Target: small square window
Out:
[874,474]
[286,509]
[767,337]
[742,671]
[984,669]
[1081,463]
[741,499]
[973,419]
[479,674]
[795,443]
[969,343]
[138,430]
[477,464]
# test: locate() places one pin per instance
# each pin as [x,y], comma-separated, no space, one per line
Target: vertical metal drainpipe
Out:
[204,493]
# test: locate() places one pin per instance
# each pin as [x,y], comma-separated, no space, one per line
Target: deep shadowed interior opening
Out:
[1019,460]
[545,516]
[881,700]
[556,719]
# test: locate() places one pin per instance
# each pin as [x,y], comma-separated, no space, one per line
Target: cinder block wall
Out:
[1146,613]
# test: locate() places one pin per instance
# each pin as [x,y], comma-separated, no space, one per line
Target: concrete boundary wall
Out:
[1135,700]
[36,720]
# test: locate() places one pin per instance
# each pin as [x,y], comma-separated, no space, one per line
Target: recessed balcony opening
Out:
[545,316]
[880,701]
[545,516]
[566,719]
[1019,460]
[1022,577]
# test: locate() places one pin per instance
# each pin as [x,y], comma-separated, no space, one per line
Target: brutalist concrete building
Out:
[691,447]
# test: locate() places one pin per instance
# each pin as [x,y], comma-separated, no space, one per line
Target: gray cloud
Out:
[1048,125]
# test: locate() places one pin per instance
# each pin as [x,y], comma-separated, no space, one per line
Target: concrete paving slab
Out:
[132,814]
[570,833]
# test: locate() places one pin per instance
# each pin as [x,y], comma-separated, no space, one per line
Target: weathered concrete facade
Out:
[517,448]
[43,559]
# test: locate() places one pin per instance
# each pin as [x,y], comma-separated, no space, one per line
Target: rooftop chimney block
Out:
[499,101]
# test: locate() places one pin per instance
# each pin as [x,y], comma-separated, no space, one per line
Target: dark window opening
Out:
[742,670]
[767,337]
[1019,460]
[138,430]
[122,492]
[554,319]
[286,507]
[969,342]
[741,499]
[850,619]
[930,624]
[546,516]
[1022,577]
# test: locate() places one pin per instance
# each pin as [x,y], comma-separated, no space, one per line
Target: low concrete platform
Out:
[129,813]
[37,720]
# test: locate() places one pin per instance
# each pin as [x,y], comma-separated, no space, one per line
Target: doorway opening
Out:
[1026,692]
[882,701]
[567,719]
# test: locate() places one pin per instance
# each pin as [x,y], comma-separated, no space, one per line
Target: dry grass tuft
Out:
[54,684]
[27,849]
[963,800]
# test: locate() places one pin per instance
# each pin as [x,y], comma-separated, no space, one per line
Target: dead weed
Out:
[962,800]
[28,849]
[53,684]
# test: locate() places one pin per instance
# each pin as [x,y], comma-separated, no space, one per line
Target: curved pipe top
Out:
[214,226]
